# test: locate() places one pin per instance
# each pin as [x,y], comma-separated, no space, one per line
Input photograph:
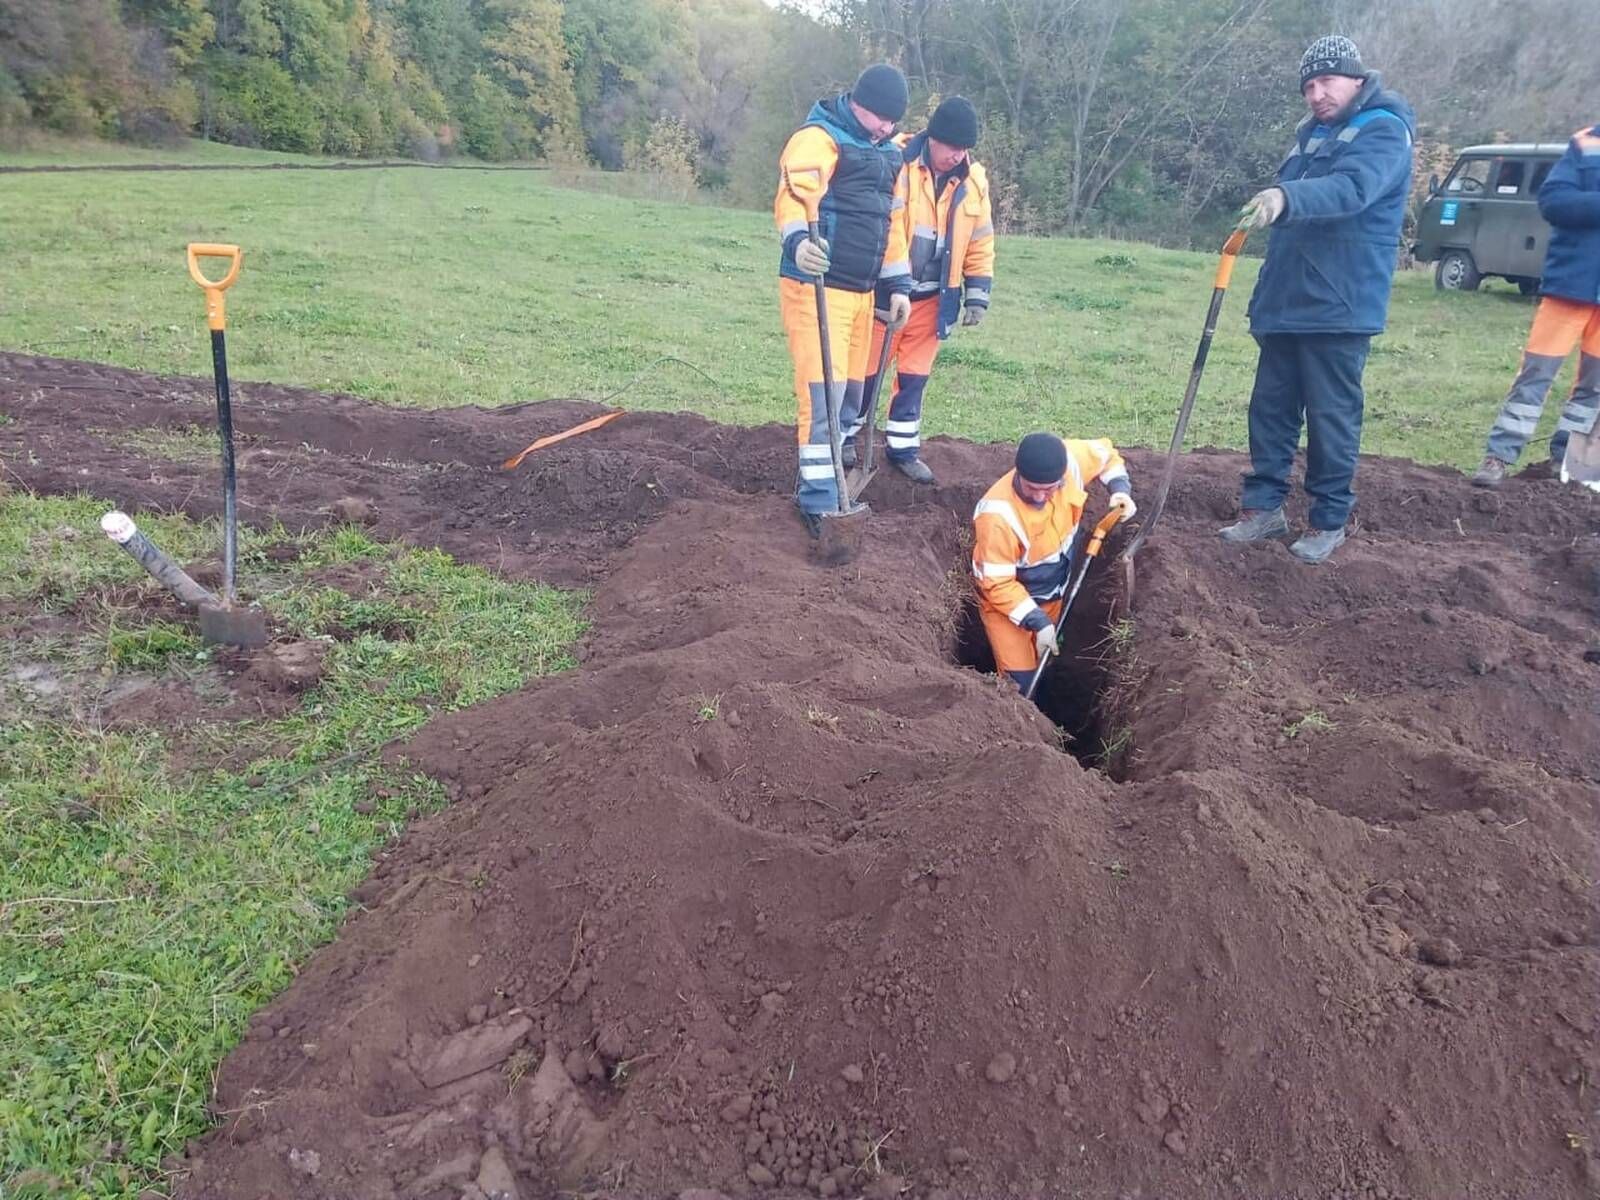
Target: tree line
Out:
[1149,118]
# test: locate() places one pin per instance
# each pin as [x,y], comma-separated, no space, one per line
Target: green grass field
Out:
[162,885]
[434,288]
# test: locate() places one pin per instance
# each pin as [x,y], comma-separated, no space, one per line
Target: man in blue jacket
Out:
[1323,292]
[1568,316]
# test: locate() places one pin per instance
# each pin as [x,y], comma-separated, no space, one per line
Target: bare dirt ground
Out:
[777,895]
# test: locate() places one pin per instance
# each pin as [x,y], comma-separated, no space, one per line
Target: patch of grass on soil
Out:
[149,904]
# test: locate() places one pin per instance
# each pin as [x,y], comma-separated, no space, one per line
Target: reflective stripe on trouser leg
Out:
[1013,645]
[919,346]
[816,490]
[1582,407]
[1558,326]
[1519,415]
[902,432]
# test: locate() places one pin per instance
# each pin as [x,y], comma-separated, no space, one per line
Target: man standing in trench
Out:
[950,229]
[845,152]
[1022,543]
[1568,315]
[1323,292]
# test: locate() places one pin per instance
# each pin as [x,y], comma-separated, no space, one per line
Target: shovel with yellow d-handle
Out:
[226,622]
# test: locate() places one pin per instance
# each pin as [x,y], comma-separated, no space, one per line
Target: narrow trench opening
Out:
[1073,692]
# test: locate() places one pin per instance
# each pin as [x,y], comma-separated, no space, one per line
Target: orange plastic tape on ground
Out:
[511,464]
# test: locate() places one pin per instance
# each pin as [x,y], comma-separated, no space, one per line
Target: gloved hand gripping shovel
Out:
[1230,255]
[868,467]
[1090,552]
[227,621]
[840,537]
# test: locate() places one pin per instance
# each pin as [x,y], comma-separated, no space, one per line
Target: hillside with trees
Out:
[1149,118]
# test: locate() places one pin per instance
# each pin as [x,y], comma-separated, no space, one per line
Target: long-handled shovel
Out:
[1219,289]
[1096,538]
[226,622]
[868,467]
[840,536]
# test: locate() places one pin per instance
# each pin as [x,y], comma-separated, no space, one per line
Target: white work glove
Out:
[899,310]
[812,257]
[973,316]
[1123,503]
[1044,641]
[1264,208]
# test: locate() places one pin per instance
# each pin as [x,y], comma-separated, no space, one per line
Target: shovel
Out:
[1581,463]
[862,475]
[226,621]
[1230,255]
[1089,553]
[840,536]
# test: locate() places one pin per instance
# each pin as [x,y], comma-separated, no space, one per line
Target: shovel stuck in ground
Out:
[225,621]
[868,467]
[1581,463]
[1219,289]
[840,537]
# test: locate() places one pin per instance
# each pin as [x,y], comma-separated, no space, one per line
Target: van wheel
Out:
[1456,272]
[1528,287]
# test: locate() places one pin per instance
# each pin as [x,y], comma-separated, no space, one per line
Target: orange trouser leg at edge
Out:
[1558,326]
[915,346]
[849,339]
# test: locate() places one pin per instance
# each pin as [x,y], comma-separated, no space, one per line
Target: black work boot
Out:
[847,454]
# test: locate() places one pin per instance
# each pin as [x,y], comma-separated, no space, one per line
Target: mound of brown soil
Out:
[773,896]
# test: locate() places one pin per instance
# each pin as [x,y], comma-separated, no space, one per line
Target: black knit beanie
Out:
[955,123]
[881,90]
[1042,458]
[1331,55]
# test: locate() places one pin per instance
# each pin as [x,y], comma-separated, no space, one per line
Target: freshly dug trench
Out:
[867,925]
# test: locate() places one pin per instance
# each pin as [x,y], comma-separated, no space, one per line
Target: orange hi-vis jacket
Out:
[1022,554]
[863,200]
[949,232]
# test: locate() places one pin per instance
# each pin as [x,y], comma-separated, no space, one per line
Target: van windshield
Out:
[1471,176]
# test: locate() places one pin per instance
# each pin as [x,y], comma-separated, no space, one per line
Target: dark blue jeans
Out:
[1310,379]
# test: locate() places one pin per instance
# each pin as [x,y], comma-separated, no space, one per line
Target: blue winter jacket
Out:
[1332,254]
[1570,201]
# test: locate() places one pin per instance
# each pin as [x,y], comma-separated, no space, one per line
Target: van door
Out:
[1461,203]
[1496,247]
[1513,233]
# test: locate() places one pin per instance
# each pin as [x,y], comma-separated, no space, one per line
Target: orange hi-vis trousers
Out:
[849,338]
[1559,326]
[1014,651]
[915,346]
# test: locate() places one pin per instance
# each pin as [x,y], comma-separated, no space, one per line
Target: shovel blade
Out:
[839,540]
[1581,463]
[230,625]
[856,480]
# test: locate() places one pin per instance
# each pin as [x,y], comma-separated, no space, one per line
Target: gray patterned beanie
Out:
[1333,55]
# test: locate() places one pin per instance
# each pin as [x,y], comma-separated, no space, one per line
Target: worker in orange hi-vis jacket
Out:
[843,150]
[1024,529]
[950,236]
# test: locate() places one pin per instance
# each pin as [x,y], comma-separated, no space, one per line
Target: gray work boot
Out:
[1317,545]
[847,453]
[1256,525]
[913,469]
[1490,473]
